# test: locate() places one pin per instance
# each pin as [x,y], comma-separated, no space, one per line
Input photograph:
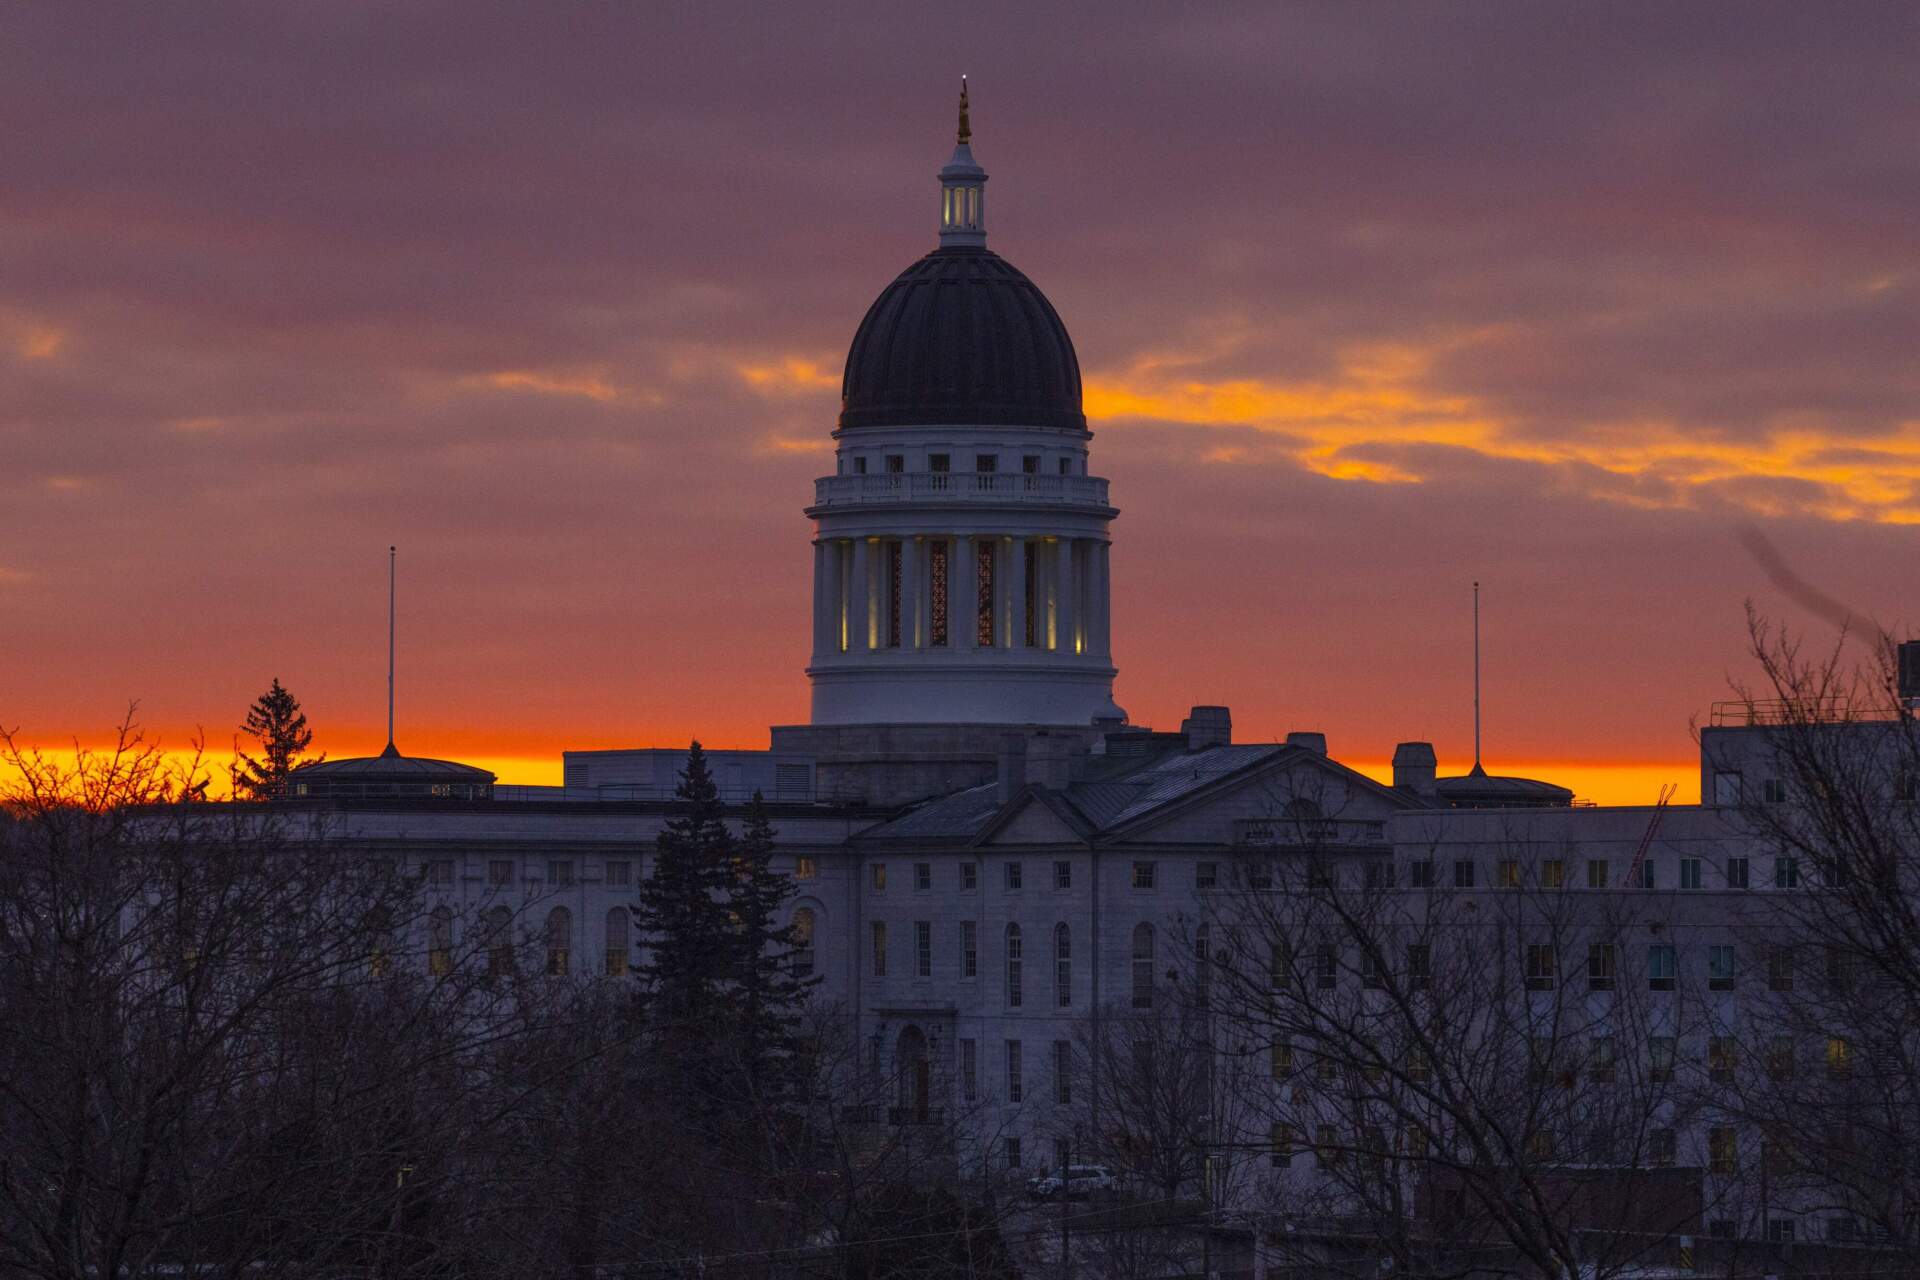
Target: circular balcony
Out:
[960,488]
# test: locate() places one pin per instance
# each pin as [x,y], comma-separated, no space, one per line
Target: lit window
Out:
[1723,1150]
[879,873]
[1839,1058]
[559,941]
[805,869]
[1553,873]
[1507,873]
[440,942]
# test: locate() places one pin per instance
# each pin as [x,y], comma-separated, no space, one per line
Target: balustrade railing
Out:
[959,486]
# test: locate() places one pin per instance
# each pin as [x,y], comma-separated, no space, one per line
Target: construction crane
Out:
[1667,791]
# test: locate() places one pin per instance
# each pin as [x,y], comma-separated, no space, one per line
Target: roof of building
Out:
[388,775]
[1482,790]
[961,337]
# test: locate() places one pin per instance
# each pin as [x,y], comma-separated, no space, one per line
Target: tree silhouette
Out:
[276,722]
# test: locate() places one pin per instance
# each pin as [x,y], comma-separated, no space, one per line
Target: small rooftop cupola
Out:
[963,190]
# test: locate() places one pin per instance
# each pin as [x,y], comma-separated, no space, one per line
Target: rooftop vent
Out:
[1314,742]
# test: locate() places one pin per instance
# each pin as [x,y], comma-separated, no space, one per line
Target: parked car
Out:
[1080,1180]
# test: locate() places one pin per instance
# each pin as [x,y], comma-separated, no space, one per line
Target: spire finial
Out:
[392,554]
[966,129]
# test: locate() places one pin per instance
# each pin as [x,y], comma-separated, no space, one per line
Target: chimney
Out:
[1314,742]
[1414,767]
[1013,766]
[1208,727]
[1053,759]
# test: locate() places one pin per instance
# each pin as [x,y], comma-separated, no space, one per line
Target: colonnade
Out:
[962,592]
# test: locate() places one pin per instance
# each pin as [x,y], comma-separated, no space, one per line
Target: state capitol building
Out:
[988,853]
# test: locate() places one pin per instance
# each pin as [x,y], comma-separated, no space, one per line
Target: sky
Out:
[1371,302]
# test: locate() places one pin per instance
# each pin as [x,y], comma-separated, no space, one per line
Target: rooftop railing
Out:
[1777,711]
[959,486]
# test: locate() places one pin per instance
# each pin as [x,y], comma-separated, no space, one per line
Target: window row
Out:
[1143,875]
[1013,958]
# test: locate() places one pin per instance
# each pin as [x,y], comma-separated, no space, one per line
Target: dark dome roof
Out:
[1482,790]
[961,336]
[389,775]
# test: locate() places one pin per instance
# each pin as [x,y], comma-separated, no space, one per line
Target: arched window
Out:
[803,924]
[559,942]
[1013,966]
[440,942]
[500,942]
[1062,965]
[619,941]
[1143,966]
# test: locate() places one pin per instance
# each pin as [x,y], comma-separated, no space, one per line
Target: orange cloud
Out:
[591,386]
[1379,399]
[790,375]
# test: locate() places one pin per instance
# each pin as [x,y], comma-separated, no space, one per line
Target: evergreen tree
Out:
[767,991]
[682,914]
[276,722]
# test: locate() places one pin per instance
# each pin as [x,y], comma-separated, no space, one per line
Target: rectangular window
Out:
[1726,789]
[896,463]
[1419,966]
[1326,966]
[1206,875]
[1540,966]
[923,876]
[1723,1150]
[923,948]
[1786,873]
[1720,1059]
[1281,1060]
[879,875]
[1011,871]
[1720,968]
[1660,1055]
[805,869]
[1647,878]
[1780,1058]
[1553,873]
[440,872]
[1689,873]
[1370,970]
[500,872]
[1421,874]
[1030,464]
[560,872]
[1839,970]
[1661,1148]
[1143,874]
[986,462]
[1279,965]
[1660,967]
[1280,1140]
[1600,1060]
[1737,873]
[1507,873]
[940,462]
[620,874]
[1015,963]
[1063,1071]
[1839,1058]
[969,876]
[1780,969]
[1259,875]
[1463,874]
[1066,465]
[1596,873]
[1773,791]
[970,1070]
[1320,874]
[879,948]
[859,466]
[1063,874]
[937,591]
[1012,1148]
[969,949]
[1601,970]
[1379,875]
[1016,1087]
